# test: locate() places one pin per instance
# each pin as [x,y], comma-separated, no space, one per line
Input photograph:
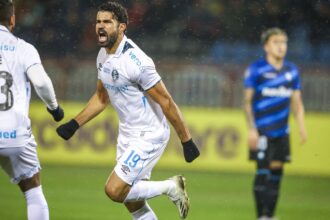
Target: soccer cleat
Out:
[180,197]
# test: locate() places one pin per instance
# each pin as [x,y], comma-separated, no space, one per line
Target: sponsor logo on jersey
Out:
[5,47]
[115,75]
[135,59]
[270,75]
[277,92]
[125,169]
[106,70]
[108,86]
[8,134]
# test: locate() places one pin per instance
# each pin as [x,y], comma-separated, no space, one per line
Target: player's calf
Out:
[37,207]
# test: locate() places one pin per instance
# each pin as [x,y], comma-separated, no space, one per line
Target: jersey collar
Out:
[120,47]
[283,68]
[4,28]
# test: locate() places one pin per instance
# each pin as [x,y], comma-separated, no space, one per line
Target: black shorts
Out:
[272,149]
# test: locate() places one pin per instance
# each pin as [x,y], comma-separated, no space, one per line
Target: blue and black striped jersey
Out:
[273,90]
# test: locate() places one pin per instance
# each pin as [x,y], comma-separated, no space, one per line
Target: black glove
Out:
[190,151]
[58,113]
[67,130]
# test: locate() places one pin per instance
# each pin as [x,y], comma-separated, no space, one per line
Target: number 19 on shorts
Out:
[132,159]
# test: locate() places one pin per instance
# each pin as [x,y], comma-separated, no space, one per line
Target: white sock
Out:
[145,213]
[37,207]
[143,190]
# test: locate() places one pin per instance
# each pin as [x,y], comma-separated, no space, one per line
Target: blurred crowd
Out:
[62,28]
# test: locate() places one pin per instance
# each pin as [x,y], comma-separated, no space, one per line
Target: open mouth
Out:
[103,37]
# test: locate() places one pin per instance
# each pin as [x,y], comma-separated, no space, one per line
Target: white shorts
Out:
[136,158]
[20,162]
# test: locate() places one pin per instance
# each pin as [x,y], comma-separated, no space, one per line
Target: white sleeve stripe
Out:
[153,84]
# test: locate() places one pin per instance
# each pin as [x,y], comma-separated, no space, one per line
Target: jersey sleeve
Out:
[30,56]
[146,74]
[250,79]
[296,82]
[148,77]
[99,61]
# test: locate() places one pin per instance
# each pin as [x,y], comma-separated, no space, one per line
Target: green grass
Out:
[77,193]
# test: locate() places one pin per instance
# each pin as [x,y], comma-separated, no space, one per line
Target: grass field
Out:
[77,193]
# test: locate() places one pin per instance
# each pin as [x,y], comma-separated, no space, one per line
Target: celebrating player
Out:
[271,85]
[19,64]
[127,79]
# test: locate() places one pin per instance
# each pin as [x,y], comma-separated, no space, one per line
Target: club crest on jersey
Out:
[288,76]
[115,75]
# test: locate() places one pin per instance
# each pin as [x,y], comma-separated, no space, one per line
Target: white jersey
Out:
[16,57]
[127,75]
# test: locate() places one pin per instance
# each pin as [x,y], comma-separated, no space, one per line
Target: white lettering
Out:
[277,92]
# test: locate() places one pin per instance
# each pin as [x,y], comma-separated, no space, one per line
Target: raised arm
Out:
[299,114]
[95,106]
[45,90]
[160,95]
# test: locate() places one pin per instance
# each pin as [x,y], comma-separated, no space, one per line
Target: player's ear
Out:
[265,47]
[122,27]
[12,22]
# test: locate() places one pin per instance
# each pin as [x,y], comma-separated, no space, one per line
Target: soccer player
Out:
[19,65]
[272,87]
[127,79]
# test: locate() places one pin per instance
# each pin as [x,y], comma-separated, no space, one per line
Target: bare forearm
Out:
[174,115]
[299,114]
[249,116]
[94,107]
[298,109]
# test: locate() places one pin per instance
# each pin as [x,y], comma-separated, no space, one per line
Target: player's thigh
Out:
[20,163]
[138,160]
[116,188]
[279,152]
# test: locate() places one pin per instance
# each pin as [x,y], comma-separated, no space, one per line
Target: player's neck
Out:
[113,49]
[275,62]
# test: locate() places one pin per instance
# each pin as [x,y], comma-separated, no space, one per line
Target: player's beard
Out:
[111,40]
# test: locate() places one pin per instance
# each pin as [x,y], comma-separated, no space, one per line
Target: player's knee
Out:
[275,165]
[114,193]
[30,183]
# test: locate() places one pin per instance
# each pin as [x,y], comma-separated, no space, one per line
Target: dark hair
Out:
[6,11]
[118,11]
[270,32]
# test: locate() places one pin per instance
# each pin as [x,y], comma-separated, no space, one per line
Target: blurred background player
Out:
[127,79]
[19,64]
[272,86]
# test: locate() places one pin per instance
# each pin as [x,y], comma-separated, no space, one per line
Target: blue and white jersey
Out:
[16,57]
[272,94]
[127,75]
